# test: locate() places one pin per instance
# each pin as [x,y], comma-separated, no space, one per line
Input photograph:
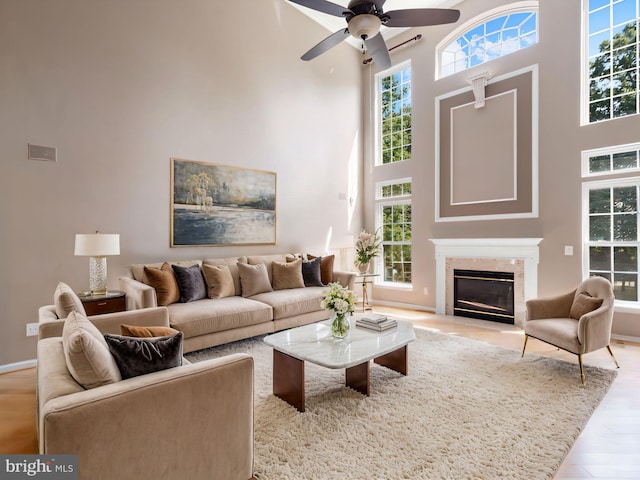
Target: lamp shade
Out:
[97,244]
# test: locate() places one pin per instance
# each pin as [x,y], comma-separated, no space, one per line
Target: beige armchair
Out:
[578,322]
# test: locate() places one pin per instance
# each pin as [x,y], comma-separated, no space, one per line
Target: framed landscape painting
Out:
[221,205]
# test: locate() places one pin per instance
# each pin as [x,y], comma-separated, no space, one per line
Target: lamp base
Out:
[98,275]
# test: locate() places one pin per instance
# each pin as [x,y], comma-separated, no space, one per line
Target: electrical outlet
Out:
[32,329]
[426,291]
[568,250]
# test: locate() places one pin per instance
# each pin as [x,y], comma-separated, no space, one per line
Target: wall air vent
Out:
[38,152]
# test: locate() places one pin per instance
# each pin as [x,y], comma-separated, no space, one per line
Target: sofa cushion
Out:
[254,279]
[267,260]
[584,303]
[87,354]
[311,273]
[190,282]
[326,267]
[139,356]
[233,268]
[219,281]
[152,331]
[288,303]
[163,280]
[287,275]
[66,301]
[137,269]
[210,316]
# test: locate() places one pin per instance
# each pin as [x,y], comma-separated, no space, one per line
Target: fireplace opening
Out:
[484,295]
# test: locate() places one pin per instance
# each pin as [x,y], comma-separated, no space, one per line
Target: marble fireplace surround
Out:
[517,255]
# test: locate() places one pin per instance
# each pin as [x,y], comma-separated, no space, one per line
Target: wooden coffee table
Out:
[314,343]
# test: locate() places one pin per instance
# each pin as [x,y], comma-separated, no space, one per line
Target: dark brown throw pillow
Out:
[311,273]
[190,283]
[139,356]
[326,267]
[584,303]
[146,332]
[163,280]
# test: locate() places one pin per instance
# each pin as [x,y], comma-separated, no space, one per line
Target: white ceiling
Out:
[333,24]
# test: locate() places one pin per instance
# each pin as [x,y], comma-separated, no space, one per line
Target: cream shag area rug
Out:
[467,410]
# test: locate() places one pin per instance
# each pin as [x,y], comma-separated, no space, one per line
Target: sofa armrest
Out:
[346,279]
[194,421]
[49,326]
[139,295]
[553,307]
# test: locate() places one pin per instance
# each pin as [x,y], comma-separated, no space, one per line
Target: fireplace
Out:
[487,295]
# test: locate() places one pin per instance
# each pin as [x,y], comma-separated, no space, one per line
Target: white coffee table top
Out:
[314,343]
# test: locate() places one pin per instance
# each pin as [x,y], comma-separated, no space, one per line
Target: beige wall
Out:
[561,140]
[119,87]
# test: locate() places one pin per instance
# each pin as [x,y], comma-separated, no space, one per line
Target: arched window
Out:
[493,34]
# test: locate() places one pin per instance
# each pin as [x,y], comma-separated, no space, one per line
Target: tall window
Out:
[494,34]
[394,221]
[394,123]
[611,222]
[612,50]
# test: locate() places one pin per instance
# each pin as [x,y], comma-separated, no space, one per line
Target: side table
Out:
[112,301]
[365,279]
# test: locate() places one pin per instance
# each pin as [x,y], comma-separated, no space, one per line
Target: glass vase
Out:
[363,268]
[340,325]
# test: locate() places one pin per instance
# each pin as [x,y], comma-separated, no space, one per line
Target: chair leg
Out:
[581,368]
[612,356]
[526,337]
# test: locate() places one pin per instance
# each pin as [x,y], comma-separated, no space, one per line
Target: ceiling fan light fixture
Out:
[364,26]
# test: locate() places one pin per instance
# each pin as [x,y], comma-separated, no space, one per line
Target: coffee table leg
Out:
[396,360]
[288,379]
[358,378]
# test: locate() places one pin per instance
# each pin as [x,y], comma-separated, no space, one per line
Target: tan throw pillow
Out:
[146,332]
[87,354]
[326,268]
[584,303]
[66,301]
[164,281]
[254,279]
[219,281]
[287,275]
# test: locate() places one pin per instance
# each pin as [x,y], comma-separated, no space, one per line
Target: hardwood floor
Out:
[608,447]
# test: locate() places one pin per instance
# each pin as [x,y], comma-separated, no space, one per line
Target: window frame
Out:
[485,17]
[380,205]
[587,154]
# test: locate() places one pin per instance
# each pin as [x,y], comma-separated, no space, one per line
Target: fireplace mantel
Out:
[523,251]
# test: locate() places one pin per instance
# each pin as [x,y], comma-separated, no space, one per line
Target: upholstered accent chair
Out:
[578,322]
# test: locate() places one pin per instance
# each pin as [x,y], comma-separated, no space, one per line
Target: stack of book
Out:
[376,322]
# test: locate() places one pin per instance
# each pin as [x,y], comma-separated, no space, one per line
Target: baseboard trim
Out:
[625,338]
[409,306]
[12,367]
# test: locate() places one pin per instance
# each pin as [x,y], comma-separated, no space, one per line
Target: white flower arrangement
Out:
[338,299]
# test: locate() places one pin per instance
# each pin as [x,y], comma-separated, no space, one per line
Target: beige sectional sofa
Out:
[214,321]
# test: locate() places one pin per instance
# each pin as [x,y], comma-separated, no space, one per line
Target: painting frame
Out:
[221,205]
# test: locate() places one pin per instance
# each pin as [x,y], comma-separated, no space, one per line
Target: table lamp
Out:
[97,246]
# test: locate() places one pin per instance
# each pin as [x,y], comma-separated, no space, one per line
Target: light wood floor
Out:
[608,447]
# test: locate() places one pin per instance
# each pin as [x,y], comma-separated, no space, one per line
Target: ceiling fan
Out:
[364,19]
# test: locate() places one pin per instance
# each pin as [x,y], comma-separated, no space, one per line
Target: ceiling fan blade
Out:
[329,42]
[421,17]
[377,48]
[324,6]
[379,4]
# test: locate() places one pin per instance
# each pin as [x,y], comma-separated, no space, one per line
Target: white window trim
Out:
[378,111]
[608,151]
[379,281]
[527,5]
[395,181]
[621,305]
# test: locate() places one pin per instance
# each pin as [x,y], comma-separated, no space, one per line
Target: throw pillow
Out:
[66,301]
[287,275]
[163,280]
[584,303]
[139,356]
[153,331]
[87,354]
[190,283]
[219,281]
[311,273]
[254,279]
[326,267]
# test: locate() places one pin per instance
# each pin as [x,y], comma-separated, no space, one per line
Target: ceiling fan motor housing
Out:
[364,26]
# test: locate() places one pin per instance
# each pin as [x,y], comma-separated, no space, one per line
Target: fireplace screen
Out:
[483,295]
